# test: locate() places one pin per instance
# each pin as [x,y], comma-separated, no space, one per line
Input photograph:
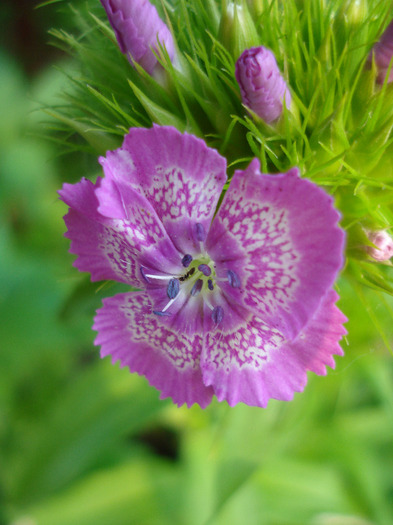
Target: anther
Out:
[205,269]
[186,261]
[210,284]
[161,314]
[173,288]
[233,279]
[195,290]
[217,315]
[200,232]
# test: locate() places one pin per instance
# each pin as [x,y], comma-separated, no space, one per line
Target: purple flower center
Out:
[196,281]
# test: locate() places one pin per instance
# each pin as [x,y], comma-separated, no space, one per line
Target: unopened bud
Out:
[383,245]
[382,53]
[138,29]
[237,28]
[262,87]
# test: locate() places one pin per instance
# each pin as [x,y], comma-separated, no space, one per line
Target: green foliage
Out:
[76,433]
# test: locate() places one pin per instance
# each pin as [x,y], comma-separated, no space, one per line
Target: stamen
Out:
[162,277]
[173,288]
[200,232]
[217,315]
[205,269]
[144,276]
[170,303]
[186,261]
[210,284]
[197,287]
[233,279]
[161,314]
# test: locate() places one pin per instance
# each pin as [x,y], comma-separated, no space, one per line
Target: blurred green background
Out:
[85,443]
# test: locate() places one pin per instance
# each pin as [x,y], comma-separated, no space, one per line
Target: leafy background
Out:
[83,442]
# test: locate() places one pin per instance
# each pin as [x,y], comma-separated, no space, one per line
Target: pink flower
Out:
[383,242]
[240,305]
[262,86]
[383,53]
[138,28]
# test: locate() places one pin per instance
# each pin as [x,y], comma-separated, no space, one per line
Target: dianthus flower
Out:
[240,305]
[261,84]
[138,29]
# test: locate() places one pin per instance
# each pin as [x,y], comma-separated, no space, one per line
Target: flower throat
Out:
[198,278]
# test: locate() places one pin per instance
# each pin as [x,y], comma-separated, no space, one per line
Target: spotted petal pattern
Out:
[286,253]
[254,363]
[114,248]
[168,359]
[100,247]
[178,174]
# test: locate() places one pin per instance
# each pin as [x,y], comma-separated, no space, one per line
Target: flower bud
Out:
[262,86]
[383,245]
[353,11]
[237,28]
[383,54]
[138,29]
[255,7]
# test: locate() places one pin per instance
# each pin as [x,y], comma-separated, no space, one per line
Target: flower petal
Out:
[100,249]
[177,173]
[110,248]
[254,363]
[279,234]
[169,360]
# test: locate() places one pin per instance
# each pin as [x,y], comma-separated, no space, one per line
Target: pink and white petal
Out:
[81,197]
[137,218]
[129,332]
[114,246]
[279,233]
[144,232]
[101,250]
[177,173]
[254,363]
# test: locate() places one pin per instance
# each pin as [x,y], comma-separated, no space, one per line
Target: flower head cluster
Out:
[262,86]
[236,302]
[138,30]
